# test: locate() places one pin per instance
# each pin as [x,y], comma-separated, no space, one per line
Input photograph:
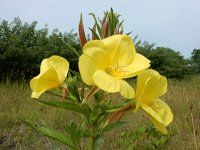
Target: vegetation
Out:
[22,48]
[165,60]
[196,59]
[182,96]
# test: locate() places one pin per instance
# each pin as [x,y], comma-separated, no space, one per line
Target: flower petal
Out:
[158,125]
[150,86]
[94,57]
[160,111]
[59,64]
[43,82]
[139,64]
[107,83]
[37,94]
[120,48]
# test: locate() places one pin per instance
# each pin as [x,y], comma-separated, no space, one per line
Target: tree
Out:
[164,60]
[23,47]
[196,59]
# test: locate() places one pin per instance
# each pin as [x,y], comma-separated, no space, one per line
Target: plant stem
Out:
[91,143]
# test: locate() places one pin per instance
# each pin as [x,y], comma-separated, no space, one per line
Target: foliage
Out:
[22,48]
[16,135]
[196,60]
[104,65]
[165,60]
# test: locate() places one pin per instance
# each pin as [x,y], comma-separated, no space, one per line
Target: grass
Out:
[184,133]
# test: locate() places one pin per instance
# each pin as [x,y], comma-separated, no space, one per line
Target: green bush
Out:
[165,60]
[23,47]
[196,60]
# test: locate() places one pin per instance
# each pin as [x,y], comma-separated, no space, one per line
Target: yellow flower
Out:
[53,71]
[150,86]
[105,63]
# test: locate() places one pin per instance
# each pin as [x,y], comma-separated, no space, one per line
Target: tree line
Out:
[23,47]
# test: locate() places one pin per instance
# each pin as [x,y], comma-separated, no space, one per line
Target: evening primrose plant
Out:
[104,65]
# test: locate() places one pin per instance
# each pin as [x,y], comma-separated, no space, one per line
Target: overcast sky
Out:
[168,23]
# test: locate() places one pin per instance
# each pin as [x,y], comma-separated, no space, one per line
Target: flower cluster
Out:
[106,64]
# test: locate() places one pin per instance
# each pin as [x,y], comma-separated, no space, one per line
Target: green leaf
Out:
[98,27]
[28,123]
[64,105]
[95,34]
[117,107]
[77,74]
[129,33]
[50,133]
[55,136]
[121,23]
[54,94]
[113,126]
[73,49]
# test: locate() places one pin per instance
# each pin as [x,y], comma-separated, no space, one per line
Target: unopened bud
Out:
[105,28]
[82,36]
[94,30]
[116,29]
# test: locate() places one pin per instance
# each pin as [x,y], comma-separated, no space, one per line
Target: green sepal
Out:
[95,34]
[97,25]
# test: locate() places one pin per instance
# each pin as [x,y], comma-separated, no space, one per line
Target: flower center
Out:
[116,71]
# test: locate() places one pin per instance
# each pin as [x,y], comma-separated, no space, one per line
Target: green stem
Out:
[91,143]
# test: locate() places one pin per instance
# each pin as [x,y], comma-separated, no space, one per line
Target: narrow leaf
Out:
[95,34]
[117,107]
[73,49]
[64,105]
[98,26]
[113,126]
[56,136]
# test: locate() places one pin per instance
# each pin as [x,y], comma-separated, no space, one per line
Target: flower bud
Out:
[105,28]
[82,36]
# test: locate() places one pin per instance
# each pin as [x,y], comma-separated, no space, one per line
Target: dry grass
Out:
[183,97]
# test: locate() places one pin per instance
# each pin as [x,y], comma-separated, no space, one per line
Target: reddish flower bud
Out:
[116,29]
[105,28]
[82,36]
[94,29]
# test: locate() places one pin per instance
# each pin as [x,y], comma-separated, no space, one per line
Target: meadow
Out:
[183,97]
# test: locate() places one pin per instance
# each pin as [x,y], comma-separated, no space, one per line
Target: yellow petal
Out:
[120,48]
[37,94]
[139,63]
[160,111]
[158,125]
[94,57]
[59,64]
[112,85]
[43,82]
[150,86]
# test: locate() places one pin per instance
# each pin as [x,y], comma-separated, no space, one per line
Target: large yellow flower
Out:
[150,86]
[106,62]
[53,71]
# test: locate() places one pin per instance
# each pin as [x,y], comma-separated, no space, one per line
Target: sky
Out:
[167,23]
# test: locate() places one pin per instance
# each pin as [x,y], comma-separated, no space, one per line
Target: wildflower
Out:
[150,86]
[53,71]
[105,63]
